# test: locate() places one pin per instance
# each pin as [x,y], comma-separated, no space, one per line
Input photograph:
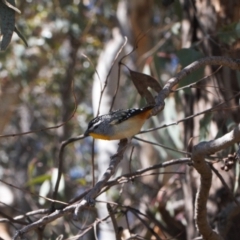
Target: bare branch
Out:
[114,221]
[199,152]
[115,159]
[60,162]
[228,62]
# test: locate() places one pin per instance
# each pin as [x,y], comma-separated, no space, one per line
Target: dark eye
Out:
[94,123]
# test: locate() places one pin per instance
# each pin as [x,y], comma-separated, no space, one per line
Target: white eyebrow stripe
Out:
[94,123]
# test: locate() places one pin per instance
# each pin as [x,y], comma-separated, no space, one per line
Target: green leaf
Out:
[7,16]
[38,180]
[186,56]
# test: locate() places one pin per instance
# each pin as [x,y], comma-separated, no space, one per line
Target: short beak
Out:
[86,133]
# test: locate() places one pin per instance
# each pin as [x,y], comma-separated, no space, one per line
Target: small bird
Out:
[118,124]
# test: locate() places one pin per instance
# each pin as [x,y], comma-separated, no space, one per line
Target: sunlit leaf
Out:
[38,180]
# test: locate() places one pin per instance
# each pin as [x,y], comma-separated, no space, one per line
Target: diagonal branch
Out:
[217,60]
[115,159]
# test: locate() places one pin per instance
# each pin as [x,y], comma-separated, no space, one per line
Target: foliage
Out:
[46,97]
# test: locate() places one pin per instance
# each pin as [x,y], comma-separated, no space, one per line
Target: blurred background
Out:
[72,46]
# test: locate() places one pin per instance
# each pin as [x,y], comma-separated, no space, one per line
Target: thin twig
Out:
[161,145]
[60,162]
[214,60]
[224,184]
[139,173]
[32,193]
[93,163]
[209,110]
[115,159]
[47,128]
[119,69]
[195,83]
[106,81]
[114,221]
[137,213]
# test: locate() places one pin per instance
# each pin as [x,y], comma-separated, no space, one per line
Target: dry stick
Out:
[114,221]
[139,38]
[233,64]
[129,176]
[224,184]
[43,221]
[95,70]
[119,69]
[93,143]
[199,152]
[158,45]
[121,63]
[160,224]
[47,128]
[69,209]
[95,230]
[132,177]
[139,173]
[127,223]
[130,160]
[100,100]
[161,145]
[212,109]
[60,163]
[79,197]
[106,81]
[93,225]
[206,34]
[11,220]
[93,163]
[137,213]
[50,218]
[60,155]
[32,193]
[115,159]
[65,143]
[25,215]
[195,83]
